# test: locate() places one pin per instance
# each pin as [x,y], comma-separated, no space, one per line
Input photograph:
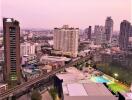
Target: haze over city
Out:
[65,49]
[78,13]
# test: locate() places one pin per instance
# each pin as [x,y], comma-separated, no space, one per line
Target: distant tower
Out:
[130,34]
[11,69]
[99,34]
[125,27]
[108,28]
[88,32]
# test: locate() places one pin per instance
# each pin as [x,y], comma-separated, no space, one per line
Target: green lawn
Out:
[115,87]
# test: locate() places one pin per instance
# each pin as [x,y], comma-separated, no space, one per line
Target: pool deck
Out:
[78,85]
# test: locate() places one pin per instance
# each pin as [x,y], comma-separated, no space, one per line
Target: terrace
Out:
[91,76]
[78,85]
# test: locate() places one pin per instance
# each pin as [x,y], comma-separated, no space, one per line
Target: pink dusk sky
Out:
[55,13]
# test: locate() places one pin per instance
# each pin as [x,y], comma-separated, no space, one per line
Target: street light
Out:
[116,75]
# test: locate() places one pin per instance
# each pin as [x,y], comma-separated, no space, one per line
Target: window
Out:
[12,30]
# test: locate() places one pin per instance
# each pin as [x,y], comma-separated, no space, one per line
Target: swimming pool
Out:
[99,79]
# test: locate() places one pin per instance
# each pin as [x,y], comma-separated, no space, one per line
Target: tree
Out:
[53,93]
[36,95]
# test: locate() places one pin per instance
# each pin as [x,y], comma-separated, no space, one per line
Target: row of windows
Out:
[12,70]
[12,31]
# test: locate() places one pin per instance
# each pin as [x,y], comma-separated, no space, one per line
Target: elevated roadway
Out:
[21,87]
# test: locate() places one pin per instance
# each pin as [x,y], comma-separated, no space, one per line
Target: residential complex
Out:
[66,40]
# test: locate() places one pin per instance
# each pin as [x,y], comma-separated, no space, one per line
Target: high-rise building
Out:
[115,40]
[88,32]
[125,27]
[66,40]
[11,30]
[108,28]
[130,34]
[99,32]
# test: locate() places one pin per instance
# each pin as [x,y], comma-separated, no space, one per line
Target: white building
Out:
[84,53]
[3,87]
[100,36]
[54,59]
[27,48]
[30,35]
[66,40]
[38,46]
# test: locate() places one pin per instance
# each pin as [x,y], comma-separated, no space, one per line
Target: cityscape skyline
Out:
[69,9]
[65,50]
[71,51]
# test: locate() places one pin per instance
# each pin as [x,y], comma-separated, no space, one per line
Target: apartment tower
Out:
[66,40]
[11,70]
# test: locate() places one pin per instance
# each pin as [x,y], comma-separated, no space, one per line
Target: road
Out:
[25,85]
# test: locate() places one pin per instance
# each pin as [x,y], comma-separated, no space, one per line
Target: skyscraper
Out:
[108,28]
[11,32]
[125,27]
[130,34]
[88,32]
[99,34]
[66,40]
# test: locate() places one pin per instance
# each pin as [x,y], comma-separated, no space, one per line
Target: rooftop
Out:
[2,84]
[78,87]
[86,89]
[128,96]
[54,58]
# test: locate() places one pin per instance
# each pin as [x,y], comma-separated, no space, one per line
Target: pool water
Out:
[99,79]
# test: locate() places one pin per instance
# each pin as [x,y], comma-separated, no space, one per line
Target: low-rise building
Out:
[77,87]
[27,48]
[3,87]
[125,96]
[54,59]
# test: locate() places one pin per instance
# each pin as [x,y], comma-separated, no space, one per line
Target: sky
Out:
[55,13]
